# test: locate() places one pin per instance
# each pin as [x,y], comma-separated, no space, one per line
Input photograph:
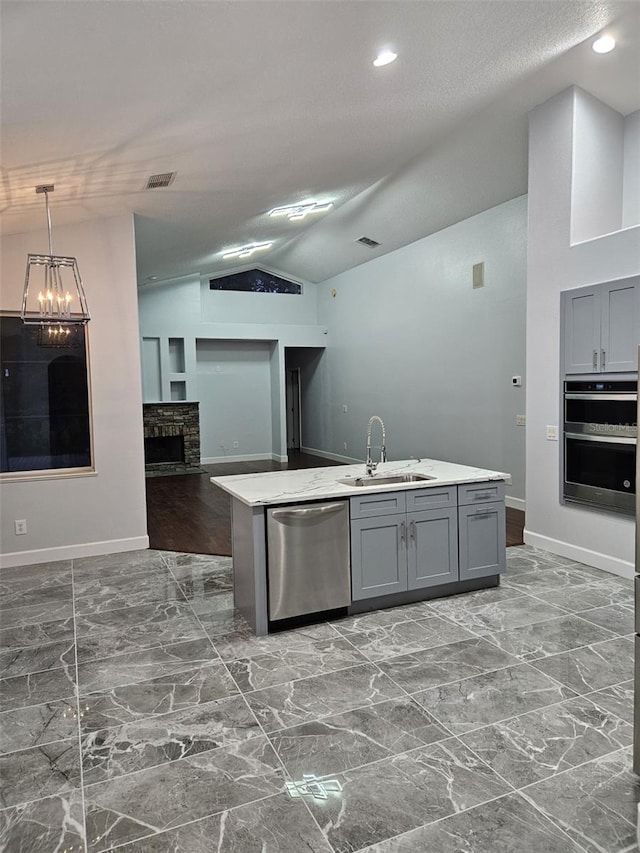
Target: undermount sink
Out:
[390,480]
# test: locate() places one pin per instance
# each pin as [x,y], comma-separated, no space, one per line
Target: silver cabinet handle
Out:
[604,362]
[606,397]
[595,359]
[403,532]
[311,512]
[412,530]
[603,439]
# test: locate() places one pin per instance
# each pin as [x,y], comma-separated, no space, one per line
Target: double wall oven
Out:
[600,433]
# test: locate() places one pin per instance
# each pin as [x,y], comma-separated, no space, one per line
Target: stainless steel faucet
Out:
[371,465]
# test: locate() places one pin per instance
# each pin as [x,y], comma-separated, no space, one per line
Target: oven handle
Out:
[621,397]
[602,439]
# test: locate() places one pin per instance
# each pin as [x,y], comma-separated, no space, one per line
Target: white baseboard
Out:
[247,457]
[515,503]
[70,552]
[581,555]
[324,454]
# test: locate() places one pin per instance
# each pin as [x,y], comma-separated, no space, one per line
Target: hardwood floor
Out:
[515,527]
[186,512]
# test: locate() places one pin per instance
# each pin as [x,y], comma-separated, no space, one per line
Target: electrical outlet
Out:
[521,420]
[345,409]
[552,433]
[21,526]
[236,444]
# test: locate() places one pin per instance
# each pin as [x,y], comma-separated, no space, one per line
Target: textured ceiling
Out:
[258,103]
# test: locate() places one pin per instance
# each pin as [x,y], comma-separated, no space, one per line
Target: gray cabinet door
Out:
[433,547]
[619,327]
[581,312]
[378,556]
[482,540]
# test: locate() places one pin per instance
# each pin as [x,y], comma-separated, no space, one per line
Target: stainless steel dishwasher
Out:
[308,559]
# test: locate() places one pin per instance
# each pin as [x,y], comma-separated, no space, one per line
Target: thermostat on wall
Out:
[516,381]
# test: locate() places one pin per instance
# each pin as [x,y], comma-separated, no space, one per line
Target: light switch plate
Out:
[552,433]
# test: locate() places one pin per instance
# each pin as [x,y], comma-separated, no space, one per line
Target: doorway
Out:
[292,404]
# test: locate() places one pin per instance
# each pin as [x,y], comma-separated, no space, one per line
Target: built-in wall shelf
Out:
[176,355]
[178,390]
[165,373]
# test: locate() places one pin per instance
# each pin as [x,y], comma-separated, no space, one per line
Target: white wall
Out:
[410,340]
[597,538]
[105,512]
[597,170]
[631,189]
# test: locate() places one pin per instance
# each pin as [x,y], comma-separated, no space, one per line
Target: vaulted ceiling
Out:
[258,103]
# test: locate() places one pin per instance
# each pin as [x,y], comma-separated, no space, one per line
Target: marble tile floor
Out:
[139,713]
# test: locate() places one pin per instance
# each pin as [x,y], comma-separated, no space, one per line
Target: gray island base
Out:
[415,530]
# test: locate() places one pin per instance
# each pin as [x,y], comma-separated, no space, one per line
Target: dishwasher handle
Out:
[311,512]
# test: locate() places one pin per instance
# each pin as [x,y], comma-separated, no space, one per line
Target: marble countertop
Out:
[310,484]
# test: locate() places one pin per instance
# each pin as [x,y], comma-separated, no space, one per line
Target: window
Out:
[255,281]
[45,422]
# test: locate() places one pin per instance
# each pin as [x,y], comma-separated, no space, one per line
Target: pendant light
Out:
[53,292]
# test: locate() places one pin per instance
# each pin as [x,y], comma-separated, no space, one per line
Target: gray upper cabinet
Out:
[601,327]
[620,320]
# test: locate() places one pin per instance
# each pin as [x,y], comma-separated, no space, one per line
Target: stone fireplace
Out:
[171,437]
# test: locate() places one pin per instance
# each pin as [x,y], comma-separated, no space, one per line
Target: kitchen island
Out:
[418,529]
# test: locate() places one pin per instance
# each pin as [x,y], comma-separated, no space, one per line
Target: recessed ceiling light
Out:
[604,44]
[299,211]
[246,251]
[384,58]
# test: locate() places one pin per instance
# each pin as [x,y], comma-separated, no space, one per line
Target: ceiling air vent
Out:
[367,241]
[157,181]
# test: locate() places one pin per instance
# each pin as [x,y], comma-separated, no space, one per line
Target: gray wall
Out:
[406,338]
[234,390]
[234,347]
[410,340]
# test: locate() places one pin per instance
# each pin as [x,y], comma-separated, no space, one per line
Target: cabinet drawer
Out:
[431,498]
[476,493]
[382,503]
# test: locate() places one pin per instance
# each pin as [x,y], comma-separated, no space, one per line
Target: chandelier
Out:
[60,298]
